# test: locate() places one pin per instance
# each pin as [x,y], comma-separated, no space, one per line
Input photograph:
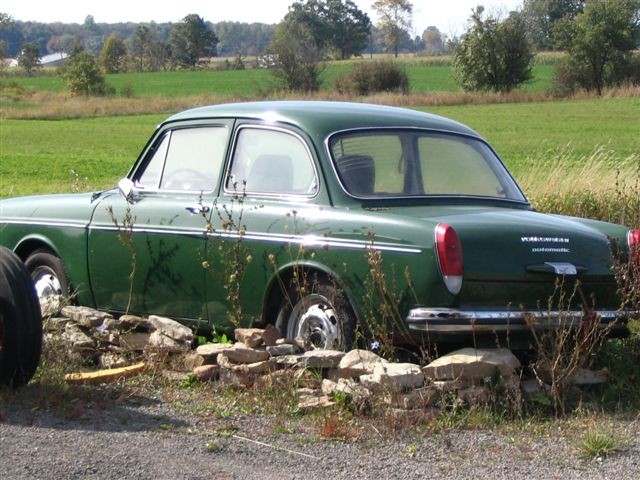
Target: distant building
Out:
[53,59]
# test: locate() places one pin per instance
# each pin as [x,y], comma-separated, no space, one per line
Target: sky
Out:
[449,16]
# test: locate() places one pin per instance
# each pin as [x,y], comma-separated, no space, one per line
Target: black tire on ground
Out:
[48,273]
[20,322]
[322,316]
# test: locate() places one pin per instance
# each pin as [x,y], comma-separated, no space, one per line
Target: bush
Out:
[372,77]
[83,76]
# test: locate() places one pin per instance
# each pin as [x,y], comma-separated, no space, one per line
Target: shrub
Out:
[83,76]
[372,77]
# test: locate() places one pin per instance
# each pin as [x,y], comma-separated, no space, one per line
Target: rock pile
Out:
[360,375]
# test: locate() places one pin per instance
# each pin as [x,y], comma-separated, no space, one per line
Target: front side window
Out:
[406,163]
[186,159]
[271,162]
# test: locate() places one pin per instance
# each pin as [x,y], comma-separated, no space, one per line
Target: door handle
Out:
[197,209]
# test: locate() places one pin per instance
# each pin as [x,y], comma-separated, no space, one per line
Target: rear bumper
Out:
[450,321]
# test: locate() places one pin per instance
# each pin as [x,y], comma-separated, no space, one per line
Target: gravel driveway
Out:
[151,439]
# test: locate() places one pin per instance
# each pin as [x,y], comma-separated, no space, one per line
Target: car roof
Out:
[323,118]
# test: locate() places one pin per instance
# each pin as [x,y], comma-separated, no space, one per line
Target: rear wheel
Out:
[20,322]
[320,315]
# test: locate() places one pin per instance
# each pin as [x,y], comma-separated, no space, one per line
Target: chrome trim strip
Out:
[450,320]
[49,223]
[302,240]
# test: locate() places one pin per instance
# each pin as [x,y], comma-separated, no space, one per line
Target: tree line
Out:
[495,53]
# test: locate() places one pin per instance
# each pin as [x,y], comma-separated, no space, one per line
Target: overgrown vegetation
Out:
[373,77]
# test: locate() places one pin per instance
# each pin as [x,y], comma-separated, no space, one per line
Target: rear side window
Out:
[186,159]
[271,162]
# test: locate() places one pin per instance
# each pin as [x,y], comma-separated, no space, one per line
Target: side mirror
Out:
[126,189]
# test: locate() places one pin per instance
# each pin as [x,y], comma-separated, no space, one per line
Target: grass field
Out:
[423,77]
[38,156]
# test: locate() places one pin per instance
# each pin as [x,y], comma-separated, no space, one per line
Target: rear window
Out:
[405,163]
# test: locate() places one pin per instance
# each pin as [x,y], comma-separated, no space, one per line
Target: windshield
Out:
[403,163]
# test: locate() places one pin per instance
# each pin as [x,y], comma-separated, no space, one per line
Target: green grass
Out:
[423,77]
[522,133]
[37,156]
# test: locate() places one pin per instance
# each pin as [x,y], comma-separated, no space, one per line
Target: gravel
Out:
[152,440]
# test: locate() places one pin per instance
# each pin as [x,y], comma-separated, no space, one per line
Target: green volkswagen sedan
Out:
[325,220]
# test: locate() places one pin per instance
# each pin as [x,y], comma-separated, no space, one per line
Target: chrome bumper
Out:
[454,321]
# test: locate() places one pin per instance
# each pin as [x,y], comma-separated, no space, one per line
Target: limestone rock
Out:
[187,362]
[394,377]
[126,322]
[114,360]
[270,336]
[256,367]
[77,340]
[164,342]
[207,373]
[358,362]
[320,359]
[451,385]
[210,351]
[472,364]
[170,328]
[358,393]
[474,395]
[288,361]
[251,337]
[85,316]
[284,349]
[311,400]
[240,353]
[55,324]
[134,340]
[52,305]
[419,398]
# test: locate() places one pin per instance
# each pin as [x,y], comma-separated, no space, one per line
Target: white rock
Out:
[85,316]
[394,377]
[162,341]
[210,351]
[170,328]
[251,337]
[320,359]
[240,353]
[358,362]
[472,364]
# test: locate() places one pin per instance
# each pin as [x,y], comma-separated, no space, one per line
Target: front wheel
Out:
[320,315]
[48,274]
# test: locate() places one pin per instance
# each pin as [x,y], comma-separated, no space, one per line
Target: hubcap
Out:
[47,284]
[316,321]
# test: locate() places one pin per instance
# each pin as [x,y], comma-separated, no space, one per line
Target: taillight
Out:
[633,238]
[449,250]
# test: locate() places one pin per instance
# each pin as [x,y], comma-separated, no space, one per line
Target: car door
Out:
[271,194]
[146,252]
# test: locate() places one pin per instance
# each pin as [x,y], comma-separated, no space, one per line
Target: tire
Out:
[48,273]
[322,317]
[20,322]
